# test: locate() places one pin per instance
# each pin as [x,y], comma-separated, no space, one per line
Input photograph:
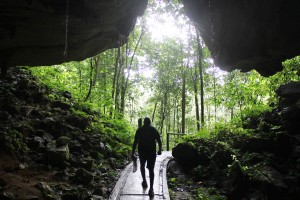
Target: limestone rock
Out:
[271,181]
[186,155]
[7,196]
[83,176]
[62,141]
[75,194]
[240,34]
[248,34]
[290,90]
[58,156]
[50,32]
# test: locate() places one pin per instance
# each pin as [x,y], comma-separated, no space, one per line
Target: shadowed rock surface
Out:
[247,34]
[46,150]
[36,32]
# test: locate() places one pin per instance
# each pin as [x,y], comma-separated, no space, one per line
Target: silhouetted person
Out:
[146,138]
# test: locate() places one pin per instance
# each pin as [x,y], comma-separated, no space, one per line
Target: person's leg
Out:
[150,166]
[142,168]
[151,175]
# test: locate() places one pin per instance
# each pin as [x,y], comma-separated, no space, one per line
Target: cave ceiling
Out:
[241,34]
[248,34]
[47,32]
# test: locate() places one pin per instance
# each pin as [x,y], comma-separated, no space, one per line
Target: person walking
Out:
[145,138]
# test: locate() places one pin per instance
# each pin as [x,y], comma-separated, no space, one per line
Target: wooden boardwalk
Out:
[129,185]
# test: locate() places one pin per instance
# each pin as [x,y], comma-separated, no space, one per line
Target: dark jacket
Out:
[146,138]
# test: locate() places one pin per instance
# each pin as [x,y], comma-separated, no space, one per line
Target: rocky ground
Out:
[46,150]
[261,164]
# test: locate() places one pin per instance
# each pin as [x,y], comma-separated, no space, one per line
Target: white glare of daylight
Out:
[215,71]
[166,25]
[144,70]
[147,72]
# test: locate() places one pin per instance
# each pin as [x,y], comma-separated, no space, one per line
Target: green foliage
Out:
[208,194]
[255,111]
[117,134]
[52,76]
[222,132]
[172,182]
[79,112]
[53,97]
[236,164]
[203,133]
[230,128]
[16,141]
[75,78]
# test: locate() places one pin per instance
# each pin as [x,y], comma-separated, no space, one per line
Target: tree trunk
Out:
[105,82]
[162,116]
[96,60]
[183,101]
[196,99]
[124,87]
[215,98]
[114,80]
[201,78]
[174,117]
[177,117]
[120,65]
[154,110]
[91,80]
[80,80]
[163,111]
[122,105]
[208,116]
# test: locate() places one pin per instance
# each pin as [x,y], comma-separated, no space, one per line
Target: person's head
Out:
[147,121]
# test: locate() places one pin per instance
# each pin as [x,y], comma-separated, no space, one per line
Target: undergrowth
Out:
[117,134]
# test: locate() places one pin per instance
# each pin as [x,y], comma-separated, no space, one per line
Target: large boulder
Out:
[290,90]
[188,156]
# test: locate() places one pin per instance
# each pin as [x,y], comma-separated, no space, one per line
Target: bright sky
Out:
[163,25]
[163,28]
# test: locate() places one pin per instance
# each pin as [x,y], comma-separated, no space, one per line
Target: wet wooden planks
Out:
[129,184]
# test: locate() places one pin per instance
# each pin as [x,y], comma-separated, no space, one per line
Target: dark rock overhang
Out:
[241,34]
[248,34]
[46,32]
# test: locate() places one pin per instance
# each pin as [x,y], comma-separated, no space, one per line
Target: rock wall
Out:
[248,34]
[47,151]
[46,32]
